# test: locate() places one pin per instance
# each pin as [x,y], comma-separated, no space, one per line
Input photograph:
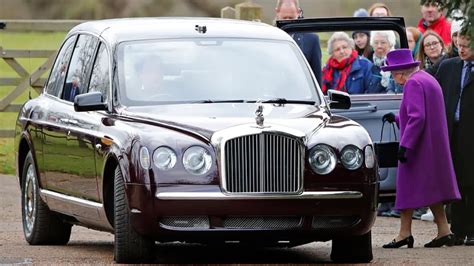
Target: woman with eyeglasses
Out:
[431,50]
[452,49]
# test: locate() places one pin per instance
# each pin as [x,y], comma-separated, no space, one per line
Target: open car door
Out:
[367,109]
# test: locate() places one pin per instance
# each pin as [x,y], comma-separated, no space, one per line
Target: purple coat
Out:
[428,175]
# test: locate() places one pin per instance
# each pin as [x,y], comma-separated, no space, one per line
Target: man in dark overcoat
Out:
[456,77]
[308,42]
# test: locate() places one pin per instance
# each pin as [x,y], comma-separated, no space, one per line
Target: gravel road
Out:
[91,247]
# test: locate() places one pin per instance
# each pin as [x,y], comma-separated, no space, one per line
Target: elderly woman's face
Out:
[433,47]
[341,50]
[381,45]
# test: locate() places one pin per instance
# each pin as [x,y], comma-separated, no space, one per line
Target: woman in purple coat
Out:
[425,174]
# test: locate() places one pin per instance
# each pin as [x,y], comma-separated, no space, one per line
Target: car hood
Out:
[205,119]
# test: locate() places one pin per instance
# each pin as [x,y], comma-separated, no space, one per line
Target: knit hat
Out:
[456,25]
[361,12]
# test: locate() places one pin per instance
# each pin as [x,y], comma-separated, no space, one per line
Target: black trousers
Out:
[462,212]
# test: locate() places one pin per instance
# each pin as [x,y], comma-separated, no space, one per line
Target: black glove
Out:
[401,154]
[389,117]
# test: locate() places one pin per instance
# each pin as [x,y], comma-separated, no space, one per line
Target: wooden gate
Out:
[26,79]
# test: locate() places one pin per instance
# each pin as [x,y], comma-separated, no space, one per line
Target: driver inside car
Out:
[149,79]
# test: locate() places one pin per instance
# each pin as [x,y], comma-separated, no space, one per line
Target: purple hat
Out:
[399,59]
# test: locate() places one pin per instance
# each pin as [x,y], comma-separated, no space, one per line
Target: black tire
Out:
[129,247]
[41,226]
[355,249]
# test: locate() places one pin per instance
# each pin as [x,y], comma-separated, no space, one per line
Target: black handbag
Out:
[387,152]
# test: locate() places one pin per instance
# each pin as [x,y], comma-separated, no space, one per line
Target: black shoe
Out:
[447,240]
[406,241]
[459,240]
[469,241]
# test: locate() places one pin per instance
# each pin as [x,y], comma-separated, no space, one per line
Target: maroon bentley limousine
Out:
[192,130]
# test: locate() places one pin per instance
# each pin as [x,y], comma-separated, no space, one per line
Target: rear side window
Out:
[79,70]
[58,72]
[100,73]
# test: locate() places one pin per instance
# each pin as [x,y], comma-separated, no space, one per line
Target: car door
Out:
[80,140]
[53,119]
[367,109]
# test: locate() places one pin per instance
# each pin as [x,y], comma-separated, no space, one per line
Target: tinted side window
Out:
[100,73]
[80,67]
[58,72]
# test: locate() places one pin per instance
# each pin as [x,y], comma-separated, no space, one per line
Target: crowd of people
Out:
[436,76]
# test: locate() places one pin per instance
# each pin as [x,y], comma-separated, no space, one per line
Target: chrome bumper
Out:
[259,196]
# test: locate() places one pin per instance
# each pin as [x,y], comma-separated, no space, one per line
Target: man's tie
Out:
[73,94]
[468,74]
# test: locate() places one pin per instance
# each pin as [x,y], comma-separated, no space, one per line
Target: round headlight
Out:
[322,159]
[351,157]
[197,160]
[144,158]
[369,157]
[164,158]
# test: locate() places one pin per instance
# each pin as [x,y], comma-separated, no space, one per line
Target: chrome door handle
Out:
[369,108]
[73,122]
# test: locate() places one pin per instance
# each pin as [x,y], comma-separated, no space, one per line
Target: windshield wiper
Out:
[284,101]
[219,101]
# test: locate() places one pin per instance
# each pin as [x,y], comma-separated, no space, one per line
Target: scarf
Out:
[427,63]
[344,68]
[385,76]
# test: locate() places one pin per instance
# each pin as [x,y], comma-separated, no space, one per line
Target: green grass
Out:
[7,156]
[20,41]
[7,120]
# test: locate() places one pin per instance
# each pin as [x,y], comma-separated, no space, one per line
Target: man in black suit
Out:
[456,76]
[71,89]
[308,42]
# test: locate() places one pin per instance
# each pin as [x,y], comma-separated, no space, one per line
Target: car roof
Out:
[127,29]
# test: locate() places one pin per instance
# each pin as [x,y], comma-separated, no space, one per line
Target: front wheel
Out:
[41,226]
[354,249]
[129,246]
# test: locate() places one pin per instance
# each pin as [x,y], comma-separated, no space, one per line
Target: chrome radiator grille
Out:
[263,163]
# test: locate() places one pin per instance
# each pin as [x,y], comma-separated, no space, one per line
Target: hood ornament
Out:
[259,116]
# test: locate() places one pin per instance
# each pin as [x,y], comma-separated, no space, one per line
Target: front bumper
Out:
[221,196]
[203,213]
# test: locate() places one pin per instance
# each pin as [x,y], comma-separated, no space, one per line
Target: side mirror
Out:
[339,100]
[92,101]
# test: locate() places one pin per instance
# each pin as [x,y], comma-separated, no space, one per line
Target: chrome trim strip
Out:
[59,196]
[258,196]
[387,194]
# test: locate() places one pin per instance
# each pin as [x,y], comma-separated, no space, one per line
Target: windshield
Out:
[212,70]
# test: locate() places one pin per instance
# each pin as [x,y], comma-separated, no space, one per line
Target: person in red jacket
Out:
[433,19]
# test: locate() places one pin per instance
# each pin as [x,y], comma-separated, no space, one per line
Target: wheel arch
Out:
[24,147]
[108,187]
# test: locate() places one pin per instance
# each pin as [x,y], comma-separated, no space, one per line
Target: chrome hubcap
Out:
[29,201]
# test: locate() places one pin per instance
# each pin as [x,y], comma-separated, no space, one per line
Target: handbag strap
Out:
[394,131]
